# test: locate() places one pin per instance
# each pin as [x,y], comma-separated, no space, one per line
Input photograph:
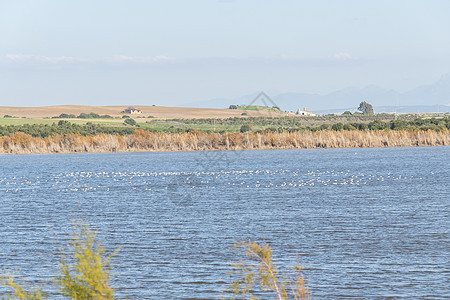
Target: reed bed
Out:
[141,140]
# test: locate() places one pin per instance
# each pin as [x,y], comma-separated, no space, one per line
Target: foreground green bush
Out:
[84,273]
[258,274]
[84,270]
[21,291]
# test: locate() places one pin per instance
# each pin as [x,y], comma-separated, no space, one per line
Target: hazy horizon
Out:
[172,54]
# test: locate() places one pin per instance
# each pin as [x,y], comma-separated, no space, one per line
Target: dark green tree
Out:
[366,108]
[130,121]
[337,127]
[245,128]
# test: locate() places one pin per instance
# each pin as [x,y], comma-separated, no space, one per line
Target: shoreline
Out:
[145,141]
[214,150]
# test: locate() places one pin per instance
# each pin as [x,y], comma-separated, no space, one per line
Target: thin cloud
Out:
[25,58]
[342,56]
[137,59]
[52,62]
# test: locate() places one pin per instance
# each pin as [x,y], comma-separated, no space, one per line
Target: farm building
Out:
[132,110]
[304,112]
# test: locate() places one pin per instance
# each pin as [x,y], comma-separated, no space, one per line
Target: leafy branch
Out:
[258,274]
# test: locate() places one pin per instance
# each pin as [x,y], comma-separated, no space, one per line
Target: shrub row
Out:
[63,127]
[83,116]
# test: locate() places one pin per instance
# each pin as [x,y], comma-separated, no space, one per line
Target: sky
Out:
[173,52]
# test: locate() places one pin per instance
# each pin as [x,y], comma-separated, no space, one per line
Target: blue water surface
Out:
[364,223]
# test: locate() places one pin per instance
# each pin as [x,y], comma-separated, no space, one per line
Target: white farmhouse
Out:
[304,112]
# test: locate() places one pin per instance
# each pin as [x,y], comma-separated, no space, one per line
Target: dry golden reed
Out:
[141,140]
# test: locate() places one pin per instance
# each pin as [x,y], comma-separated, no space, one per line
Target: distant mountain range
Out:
[423,99]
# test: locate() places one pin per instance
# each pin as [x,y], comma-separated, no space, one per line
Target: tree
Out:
[233,107]
[366,108]
[245,128]
[130,121]
[337,127]
[63,123]
[67,116]
[349,127]
[347,113]
[398,124]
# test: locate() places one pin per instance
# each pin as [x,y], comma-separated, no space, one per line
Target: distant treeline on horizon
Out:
[255,124]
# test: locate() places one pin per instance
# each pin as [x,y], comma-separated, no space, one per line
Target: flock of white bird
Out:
[148,181]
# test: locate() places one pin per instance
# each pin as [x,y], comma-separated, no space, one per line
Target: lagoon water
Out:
[364,223]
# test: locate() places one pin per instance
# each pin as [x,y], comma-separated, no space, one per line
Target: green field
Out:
[22,121]
[258,108]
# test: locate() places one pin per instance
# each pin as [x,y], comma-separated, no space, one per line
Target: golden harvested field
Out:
[160,112]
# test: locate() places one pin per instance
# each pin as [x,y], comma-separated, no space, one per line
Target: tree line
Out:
[63,127]
[90,115]
[256,125]
[360,122]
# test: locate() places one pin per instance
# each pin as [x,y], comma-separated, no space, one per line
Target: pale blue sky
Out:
[174,52]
